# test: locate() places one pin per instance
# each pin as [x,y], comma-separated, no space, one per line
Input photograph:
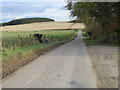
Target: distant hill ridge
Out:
[26,21]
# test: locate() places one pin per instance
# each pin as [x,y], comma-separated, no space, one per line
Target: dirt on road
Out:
[42,26]
[105,64]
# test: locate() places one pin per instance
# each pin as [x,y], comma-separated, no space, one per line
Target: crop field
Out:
[12,41]
[42,26]
[17,46]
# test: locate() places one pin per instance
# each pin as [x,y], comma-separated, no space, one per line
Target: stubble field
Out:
[42,26]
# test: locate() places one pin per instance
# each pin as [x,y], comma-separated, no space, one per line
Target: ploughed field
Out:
[17,47]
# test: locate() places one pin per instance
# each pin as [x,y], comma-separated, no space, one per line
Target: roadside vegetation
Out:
[101,33]
[19,48]
[100,18]
[98,41]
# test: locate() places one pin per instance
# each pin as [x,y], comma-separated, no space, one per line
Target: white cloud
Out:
[54,13]
[57,14]
[33,0]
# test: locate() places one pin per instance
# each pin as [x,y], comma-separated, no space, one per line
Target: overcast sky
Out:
[15,9]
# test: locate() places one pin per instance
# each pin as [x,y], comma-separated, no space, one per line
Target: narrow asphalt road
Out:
[68,66]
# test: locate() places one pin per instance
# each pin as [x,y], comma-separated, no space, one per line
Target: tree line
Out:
[100,18]
[26,21]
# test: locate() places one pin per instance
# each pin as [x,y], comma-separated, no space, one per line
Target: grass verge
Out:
[17,56]
[98,41]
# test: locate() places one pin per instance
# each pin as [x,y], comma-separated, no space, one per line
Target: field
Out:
[17,47]
[42,26]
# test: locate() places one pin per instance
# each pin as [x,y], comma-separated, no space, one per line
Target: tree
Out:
[100,17]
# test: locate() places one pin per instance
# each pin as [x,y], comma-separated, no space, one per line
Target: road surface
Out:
[68,66]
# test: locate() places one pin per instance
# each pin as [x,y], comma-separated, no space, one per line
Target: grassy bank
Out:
[20,48]
[98,41]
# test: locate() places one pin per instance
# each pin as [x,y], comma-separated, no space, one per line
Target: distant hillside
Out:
[26,21]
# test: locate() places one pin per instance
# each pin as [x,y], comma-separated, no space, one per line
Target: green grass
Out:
[23,51]
[11,38]
[84,33]
[11,43]
[93,41]
[98,41]
[11,35]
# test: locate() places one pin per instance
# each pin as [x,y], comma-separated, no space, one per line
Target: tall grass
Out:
[20,48]
[23,43]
